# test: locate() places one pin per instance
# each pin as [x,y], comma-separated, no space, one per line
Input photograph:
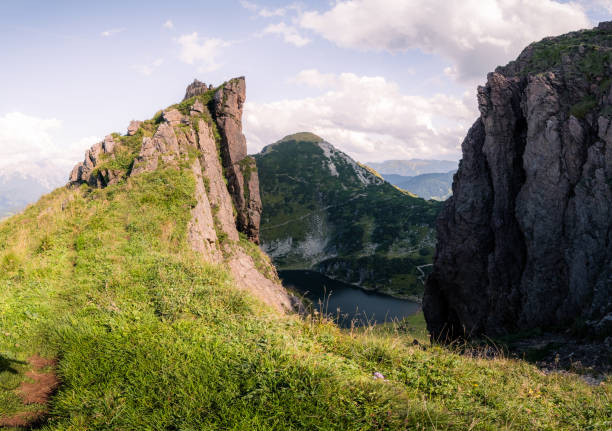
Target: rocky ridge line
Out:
[199,131]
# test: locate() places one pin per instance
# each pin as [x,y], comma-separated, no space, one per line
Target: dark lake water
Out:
[354,303]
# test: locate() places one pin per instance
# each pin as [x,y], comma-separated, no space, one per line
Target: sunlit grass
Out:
[149,336]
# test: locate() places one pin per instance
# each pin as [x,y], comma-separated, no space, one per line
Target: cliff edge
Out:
[526,240]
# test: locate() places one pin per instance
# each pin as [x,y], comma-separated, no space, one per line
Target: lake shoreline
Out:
[352,303]
[412,298]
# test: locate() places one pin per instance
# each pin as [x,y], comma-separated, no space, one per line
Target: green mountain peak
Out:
[302,137]
[325,211]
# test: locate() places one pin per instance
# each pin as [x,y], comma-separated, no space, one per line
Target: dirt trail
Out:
[40,383]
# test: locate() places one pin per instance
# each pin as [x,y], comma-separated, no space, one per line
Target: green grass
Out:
[261,260]
[302,137]
[548,53]
[149,336]
[582,108]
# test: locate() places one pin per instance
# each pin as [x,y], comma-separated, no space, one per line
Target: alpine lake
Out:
[348,305]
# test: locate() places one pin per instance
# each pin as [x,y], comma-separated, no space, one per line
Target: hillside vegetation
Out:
[146,335]
[324,211]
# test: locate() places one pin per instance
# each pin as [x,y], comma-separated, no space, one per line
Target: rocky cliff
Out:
[202,135]
[325,212]
[526,240]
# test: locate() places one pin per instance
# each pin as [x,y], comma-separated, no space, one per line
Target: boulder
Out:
[172,116]
[133,127]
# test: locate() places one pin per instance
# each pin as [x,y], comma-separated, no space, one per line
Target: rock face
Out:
[133,127]
[240,169]
[526,240]
[90,172]
[196,88]
[183,137]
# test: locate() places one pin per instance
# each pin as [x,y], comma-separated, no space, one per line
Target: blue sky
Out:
[379,79]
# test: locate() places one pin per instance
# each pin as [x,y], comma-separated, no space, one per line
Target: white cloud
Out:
[368,117]
[267,12]
[248,5]
[112,31]
[168,24]
[29,146]
[597,5]
[201,51]
[148,69]
[474,35]
[289,33]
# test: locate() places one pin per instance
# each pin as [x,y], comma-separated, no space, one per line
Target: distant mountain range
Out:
[436,186]
[17,190]
[413,167]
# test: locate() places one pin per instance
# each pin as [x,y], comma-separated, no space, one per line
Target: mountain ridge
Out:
[437,186]
[413,167]
[203,133]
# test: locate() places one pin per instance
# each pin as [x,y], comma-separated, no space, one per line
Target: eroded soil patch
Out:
[40,383]
[22,419]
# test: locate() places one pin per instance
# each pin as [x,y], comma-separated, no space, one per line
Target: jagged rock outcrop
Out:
[183,136]
[196,88]
[240,169]
[88,171]
[526,240]
[133,127]
[162,147]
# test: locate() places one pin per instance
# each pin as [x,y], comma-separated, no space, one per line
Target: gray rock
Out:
[108,145]
[85,172]
[163,146]
[241,171]
[195,89]
[605,26]
[133,127]
[526,240]
[172,116]
[197,108]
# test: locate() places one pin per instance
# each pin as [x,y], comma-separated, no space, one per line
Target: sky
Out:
[379,79]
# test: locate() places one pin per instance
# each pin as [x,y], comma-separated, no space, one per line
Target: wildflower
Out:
[378,375]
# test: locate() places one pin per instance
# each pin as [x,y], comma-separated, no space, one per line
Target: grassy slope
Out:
[150,337]
[298,191]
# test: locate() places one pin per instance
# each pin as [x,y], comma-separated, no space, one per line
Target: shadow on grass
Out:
[6,364]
